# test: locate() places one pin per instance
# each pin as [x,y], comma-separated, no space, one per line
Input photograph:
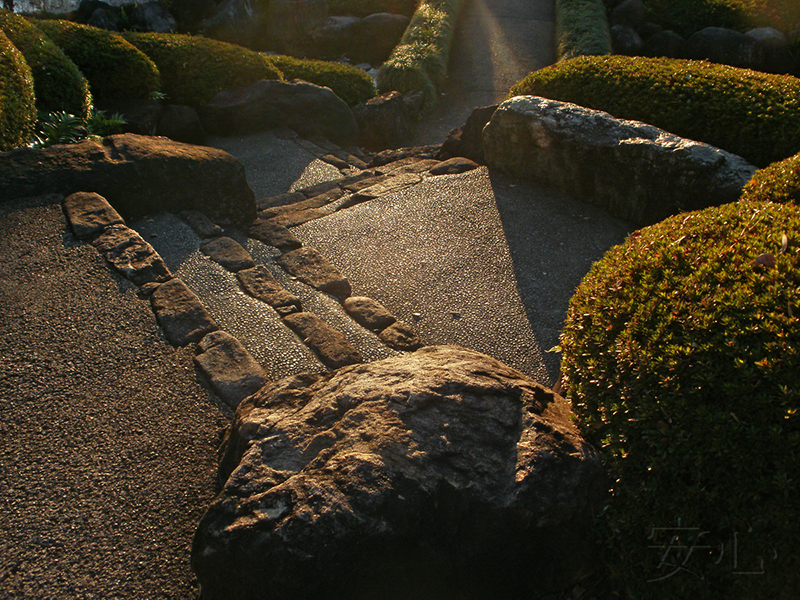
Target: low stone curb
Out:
[230,369]
[329,344]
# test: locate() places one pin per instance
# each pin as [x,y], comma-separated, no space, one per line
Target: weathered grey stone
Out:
[626,40]
[307,108]
[386,121]
[260,284]
[137,174]
[181,315]
[665,43]
[379,33]
[467,140]
[725,46]
[454,166]
[103,18]
[182,124]
[153,16]
[333,36]
[230,369]
[776,48]
[630,13]
[201,224]
[290,23]
[635,171]
[228,253]
[89,214]
[310,267]
[368,313]
[437,474]
[401,336]
[241,22]
[272,234]
[131,255]
[329,344]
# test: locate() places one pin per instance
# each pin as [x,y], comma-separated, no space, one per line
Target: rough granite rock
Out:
[330,345]
[137,174]
[261,285]
[313,269]
[401,336]
[273,234]
[454,166]
[228,253]
[131,255]
[633,170]
[181,315]
[232,372]
[467,140]
[89,214]
[437,474]
[368,313]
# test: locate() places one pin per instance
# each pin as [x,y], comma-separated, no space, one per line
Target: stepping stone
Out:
[335,161]
[261,285]
[228,253]
[131,255]
[313,269]
[409,165]
[387,186]
[298,217]
[89,214]
[359,183]
[273,234]
[180,313]
[201,224]
[368,313]
[321,188]
[348,182]
[330,345]
[400,336]
[454,166]
[313,202]
[388,156]
[280,200]
[232,372]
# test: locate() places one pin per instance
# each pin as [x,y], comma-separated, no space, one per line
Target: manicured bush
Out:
[688,16]
[362,8]
[194,69]
[779,182]
[17,101]
[581,28]
[681,353]
[419,62]
[351,84]
[115,69]
[57,82]
[755,115]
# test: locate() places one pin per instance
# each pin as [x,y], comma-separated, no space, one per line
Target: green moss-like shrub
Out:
[755,115]
[57,82]
[351,84]
[17,100]
[681,353]
[362,8]
[688,16]
[779,182]
[581,28]
[419,62]
[194,69]
[115,69]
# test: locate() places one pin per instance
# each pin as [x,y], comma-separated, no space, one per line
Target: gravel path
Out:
[107,440]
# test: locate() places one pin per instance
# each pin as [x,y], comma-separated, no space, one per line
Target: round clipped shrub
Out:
[351,84]
[115,69]
[779,182]
[581,28]
[58,83]
[194,69]
[688,16]
[17,101]
[681,353]
[755,115]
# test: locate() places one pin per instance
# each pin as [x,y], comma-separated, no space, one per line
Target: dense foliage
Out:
[17,100]
[755,115]
[581,28]
[194,69]
[681,352]
[57,81]
[779,182]
[362,8]
[115,69]
[351,84]
[689,16]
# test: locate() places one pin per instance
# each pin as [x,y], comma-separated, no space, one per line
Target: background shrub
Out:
[581,28]
[755,115]
[115,69]
[681,356]
[351,84]
[779,182]
[194,69]
[363,8]
[688,16]
[17,101]
[57,82]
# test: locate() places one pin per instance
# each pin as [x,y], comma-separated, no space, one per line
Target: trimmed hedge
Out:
[115,69]
[57,82]
[194,69]
[419,62]
[351,84]
[363,8]
[755,115]
[688,16]
[681,353]
[17,100]
[582,28]
[779,182]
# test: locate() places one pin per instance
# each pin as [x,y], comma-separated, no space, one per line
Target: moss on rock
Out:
[351,84]
[17,100]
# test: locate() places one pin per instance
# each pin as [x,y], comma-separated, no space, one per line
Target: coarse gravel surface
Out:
[107,439]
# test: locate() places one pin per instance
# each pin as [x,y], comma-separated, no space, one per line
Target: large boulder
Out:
[241,22]
[307,108]
[775,45]
[437,474]
[333,36]
[379,34]
[290,23]
[153,16]
[725,46]
[388,120]
[136,174]
[467,140]
[633,170]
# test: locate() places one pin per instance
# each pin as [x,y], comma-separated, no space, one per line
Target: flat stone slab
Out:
[368,313]
[310,267]
[401,336]
[329,344]
[364,182]
[410,165]
[261,285]
[89,214]
[303,204]
[201,224]
[131,255]
[231,370]
[228,253]
[454,166]
[180,313]
[298,217]
[280,200]
[321,188]
[274,234]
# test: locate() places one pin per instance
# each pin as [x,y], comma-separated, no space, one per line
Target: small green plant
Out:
[582,28]
[779,182]
[350,83]
[17,109]
[101,124]
[60,127]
